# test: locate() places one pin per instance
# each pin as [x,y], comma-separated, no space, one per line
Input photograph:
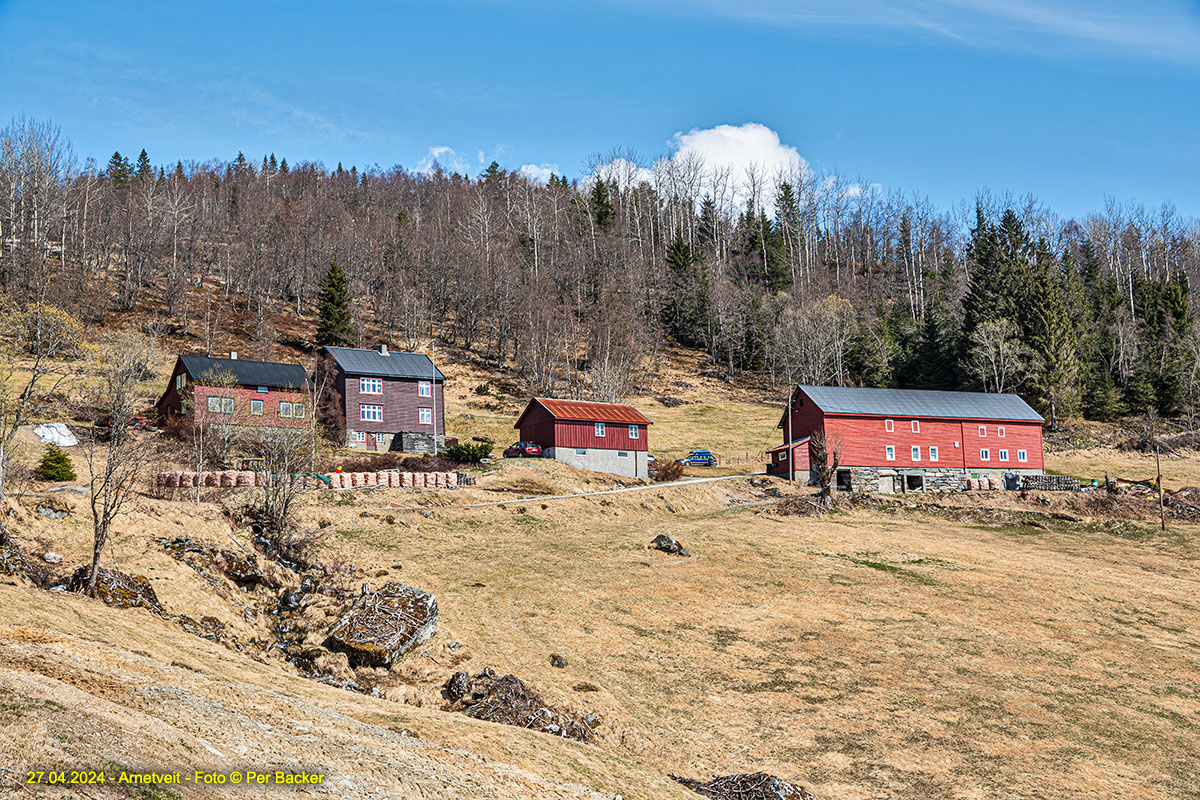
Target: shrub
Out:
[468,452]
[56,466]
[484,389]
[671,471]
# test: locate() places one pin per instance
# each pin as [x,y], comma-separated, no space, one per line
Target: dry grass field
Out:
[875,652]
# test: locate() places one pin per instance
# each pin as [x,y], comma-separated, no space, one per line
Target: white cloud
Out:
[539,172]
[736,157]
[445,157]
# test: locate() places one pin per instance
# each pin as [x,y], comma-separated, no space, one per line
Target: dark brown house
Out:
[235,391]
[392,401]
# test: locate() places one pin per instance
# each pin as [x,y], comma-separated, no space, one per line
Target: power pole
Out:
[1162,514]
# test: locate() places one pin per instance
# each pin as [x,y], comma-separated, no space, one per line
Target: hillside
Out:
[987,649]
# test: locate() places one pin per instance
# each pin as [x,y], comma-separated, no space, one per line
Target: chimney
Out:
[233,355]
[383,350]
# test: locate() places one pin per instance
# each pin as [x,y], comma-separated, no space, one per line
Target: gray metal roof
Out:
[920,403]
[354,361]
[247,373]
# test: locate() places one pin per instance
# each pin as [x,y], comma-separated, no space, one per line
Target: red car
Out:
[524,450]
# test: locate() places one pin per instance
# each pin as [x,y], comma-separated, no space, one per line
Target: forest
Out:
[579,285]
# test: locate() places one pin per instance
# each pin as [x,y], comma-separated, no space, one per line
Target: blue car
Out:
[700,458]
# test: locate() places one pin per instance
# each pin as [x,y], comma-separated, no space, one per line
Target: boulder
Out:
[383,625]
[557,661]
[507,700]
[117,588]
[52,558]
[669,544]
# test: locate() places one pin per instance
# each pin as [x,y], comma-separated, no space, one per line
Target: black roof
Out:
[920,403]
[355,361]
[247,373]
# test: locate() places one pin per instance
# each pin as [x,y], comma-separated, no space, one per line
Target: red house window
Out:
[889,425]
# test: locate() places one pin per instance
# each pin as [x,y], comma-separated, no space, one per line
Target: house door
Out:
[371,445]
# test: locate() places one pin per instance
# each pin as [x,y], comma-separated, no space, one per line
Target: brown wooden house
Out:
[392,401]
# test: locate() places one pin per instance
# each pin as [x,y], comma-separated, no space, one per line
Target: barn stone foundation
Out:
[885,480]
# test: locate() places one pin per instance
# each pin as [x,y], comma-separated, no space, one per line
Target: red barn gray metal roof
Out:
[920,403]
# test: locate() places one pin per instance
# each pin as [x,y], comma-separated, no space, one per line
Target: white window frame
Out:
[424,416]
[263,389]
[214,404]
[257,407]
[227,406]
[985,454]
[916,452]
[933,453]
[889,425]
[889,452]
[783,455]
[424,388]
[360,436]
[600,428]
[1022,456]
[1002,454]
[285,409]
[298,410]
[363,383]
[999,431]
[983,431]
[633,431]
[363,412]
[916,426]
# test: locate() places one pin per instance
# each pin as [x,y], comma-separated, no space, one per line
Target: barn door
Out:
[371,444]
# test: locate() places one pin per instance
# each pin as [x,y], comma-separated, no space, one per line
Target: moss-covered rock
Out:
[117,589]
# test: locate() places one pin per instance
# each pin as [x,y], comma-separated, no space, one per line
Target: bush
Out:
[56,466]
[484,389]
[468,452]
[671,471]
[373,462]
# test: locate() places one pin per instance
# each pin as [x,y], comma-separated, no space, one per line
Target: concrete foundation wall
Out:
[418,442]
[890,480]
[632,465]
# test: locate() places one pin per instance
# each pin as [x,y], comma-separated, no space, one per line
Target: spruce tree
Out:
[144,170]
[56,465]
[1052,338]
[602,208]
[334,308]
[119,170]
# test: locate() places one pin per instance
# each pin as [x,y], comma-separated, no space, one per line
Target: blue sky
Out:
[1066,99]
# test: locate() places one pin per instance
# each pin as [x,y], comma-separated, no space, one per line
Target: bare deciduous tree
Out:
[999,359]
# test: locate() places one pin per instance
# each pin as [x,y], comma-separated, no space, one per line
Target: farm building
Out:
[392,401]
[603,437]
[903,440]
[235,391]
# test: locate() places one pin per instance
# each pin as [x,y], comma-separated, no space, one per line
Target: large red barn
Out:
[896,440]
[604,437]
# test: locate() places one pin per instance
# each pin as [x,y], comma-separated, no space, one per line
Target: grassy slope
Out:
[869,656]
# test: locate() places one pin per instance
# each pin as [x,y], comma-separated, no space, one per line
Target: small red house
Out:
[901,440]
[236,392]
[603,437]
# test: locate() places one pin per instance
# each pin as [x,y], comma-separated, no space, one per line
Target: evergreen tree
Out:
[708,229]
[240,165]
[144,170]
[1052,338]
[119,170]
[687,307]
[56,465]
[334,308]
[601,206]
[283,166]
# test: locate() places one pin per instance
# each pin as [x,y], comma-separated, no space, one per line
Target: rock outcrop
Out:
[383,625]
[117,588]
[669,544]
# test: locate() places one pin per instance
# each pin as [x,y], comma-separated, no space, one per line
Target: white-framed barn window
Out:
[999,431]
[783,455]
[633,431]
[360,436]
[424,416]
[983,431]
[916,453]
[890,452]
[889,425]
[599,430]
[933,454]
[424,388]
[1002,454]
[285,409]
[263,389]
[370,385]
[916,426]
[370,413]
[256,407]
[220,405]
[1022,456]
[985,454]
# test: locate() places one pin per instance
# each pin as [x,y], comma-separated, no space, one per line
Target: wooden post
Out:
[1162,514]
[791,451]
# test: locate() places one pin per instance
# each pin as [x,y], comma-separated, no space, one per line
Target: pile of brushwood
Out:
[754,786]
[509,701]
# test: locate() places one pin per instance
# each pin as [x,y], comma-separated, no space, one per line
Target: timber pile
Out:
[753,786]
[1049,483]
[509,701]
[116,588]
